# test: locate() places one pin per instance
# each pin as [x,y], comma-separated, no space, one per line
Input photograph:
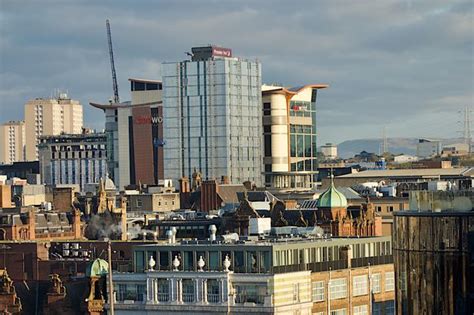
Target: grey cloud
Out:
[406,65]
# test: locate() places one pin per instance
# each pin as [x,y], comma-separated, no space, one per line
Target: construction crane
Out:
[112,64]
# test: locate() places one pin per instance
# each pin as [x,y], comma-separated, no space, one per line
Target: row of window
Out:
[241,261]
[139,203]
[79,154]
[330,253]
[360,286]
[389,307]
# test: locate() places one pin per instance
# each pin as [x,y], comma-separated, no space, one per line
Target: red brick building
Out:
[334,218]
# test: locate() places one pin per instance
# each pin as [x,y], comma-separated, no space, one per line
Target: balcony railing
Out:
[335,264]
[213,298]
[163,297]
[244,298]
[188,297]
[376,260]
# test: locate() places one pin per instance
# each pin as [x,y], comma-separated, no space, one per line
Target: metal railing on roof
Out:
[335,264]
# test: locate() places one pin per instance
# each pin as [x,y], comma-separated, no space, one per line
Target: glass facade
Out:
[290,136]
[303,136]
[212,122]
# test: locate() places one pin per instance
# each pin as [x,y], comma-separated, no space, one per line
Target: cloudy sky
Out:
[404,65]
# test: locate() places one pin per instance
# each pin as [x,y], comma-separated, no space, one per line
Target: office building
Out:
[162,198]
[329,151]
[279,275]
[212,117]
[73,159]
[50,117]
[433,249]
[28,170]
[135,135]
[408,179]
[290,136]
[456,149]
[427,148]
[12,142]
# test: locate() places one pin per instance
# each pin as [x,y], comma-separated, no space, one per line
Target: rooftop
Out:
[269,89]
[144,80]
[426,172]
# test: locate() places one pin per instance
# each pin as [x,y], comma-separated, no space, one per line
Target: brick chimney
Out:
[184,192]
[77,225]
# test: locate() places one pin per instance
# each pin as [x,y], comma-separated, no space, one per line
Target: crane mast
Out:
[112,64]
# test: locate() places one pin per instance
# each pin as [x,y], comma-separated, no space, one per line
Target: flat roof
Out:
[422,172]
[144,80]
[451,213]
[122,105]
[293,242]
[268,89]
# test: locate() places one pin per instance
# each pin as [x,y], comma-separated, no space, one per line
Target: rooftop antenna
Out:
[467,127]
[112,64]
[384,144]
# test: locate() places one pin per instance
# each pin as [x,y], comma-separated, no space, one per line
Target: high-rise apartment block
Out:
[12,142]
[50,117]
[212,116]
[289,128]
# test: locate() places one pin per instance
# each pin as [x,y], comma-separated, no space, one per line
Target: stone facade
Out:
[9,302]
[32,225]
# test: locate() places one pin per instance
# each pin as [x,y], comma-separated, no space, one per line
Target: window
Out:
[390,208]
[341,311]
[122,291]
[360,310]
[338,288]
[390,308]
[376,283]
[139,261]
[188,290]
[268,145]
[377,308]
[318,291]
[252,293]
[267,109]
[141,292]
[296,292]
[389,281]
[213,291]
[139,203]
[359,285]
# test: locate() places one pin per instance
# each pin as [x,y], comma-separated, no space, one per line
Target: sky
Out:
[406,66]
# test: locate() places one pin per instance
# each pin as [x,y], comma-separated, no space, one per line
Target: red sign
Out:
[223,52]
[145,120]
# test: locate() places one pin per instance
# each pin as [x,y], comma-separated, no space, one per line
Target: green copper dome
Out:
[97,268]
[332,198]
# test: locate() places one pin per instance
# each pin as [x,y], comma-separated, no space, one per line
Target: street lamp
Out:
[111,285]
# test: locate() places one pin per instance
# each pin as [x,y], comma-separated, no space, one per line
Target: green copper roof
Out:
[97,268]
[332,198]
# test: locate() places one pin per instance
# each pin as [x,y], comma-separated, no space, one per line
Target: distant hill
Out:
[349,148]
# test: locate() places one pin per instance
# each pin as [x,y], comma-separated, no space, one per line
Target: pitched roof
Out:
[228,192]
